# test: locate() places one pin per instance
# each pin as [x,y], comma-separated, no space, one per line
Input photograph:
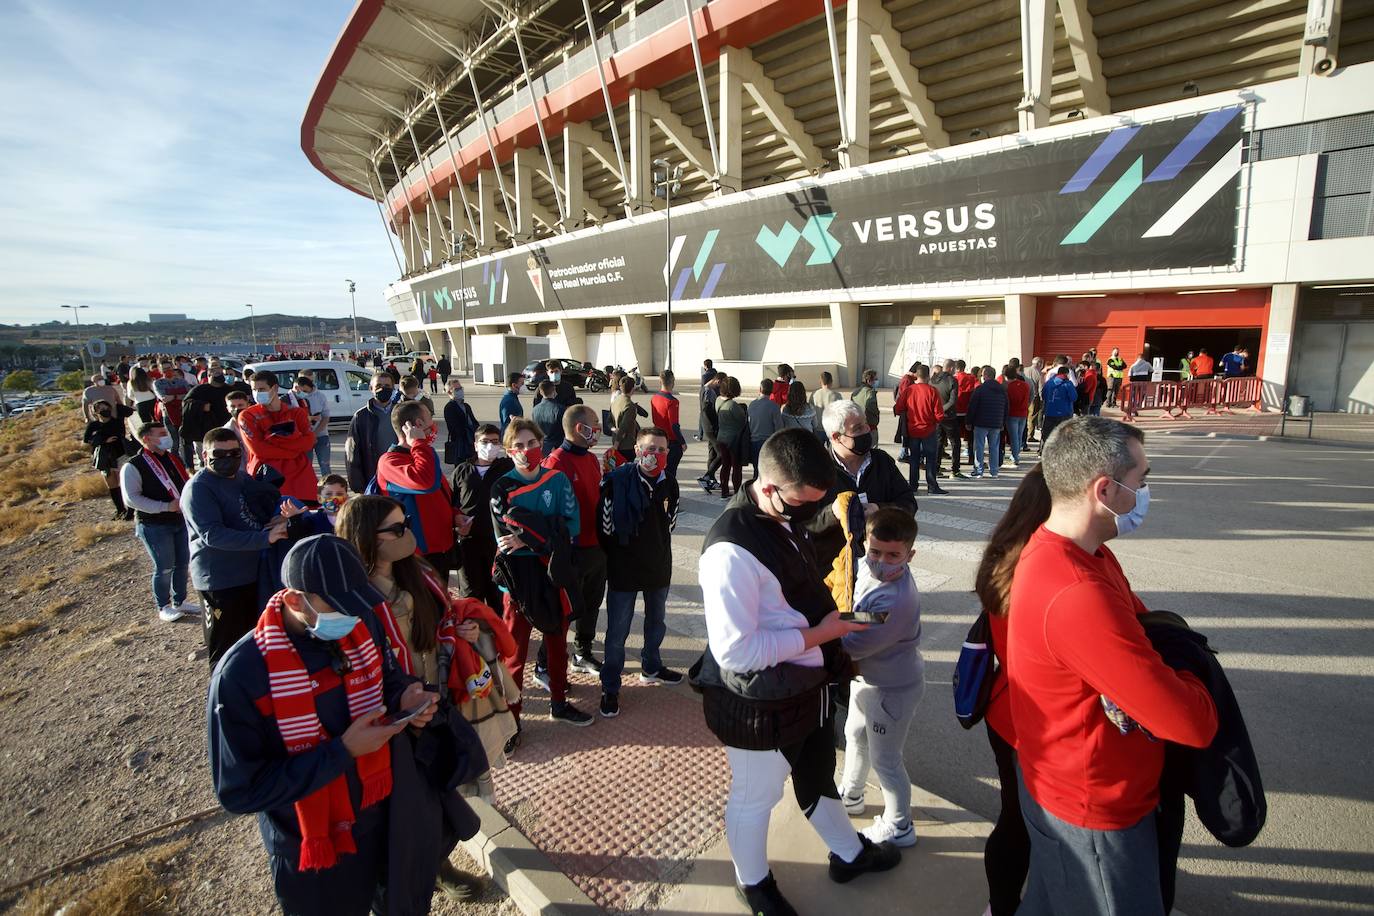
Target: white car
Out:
[347,386]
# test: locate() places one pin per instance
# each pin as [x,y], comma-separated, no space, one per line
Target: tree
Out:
[21,380]
[72,381]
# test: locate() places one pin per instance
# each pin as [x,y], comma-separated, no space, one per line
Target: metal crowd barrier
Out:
[1218,396]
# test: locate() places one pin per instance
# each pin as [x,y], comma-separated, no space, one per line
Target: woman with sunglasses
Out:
[453,643]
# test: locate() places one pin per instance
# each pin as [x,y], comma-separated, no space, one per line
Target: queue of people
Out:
[809,604]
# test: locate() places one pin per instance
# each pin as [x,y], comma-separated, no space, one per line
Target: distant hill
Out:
[271,329]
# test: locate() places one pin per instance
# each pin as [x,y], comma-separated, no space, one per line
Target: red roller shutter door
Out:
[1073,341]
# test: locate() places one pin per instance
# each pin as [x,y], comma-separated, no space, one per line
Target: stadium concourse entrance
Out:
[1173,344]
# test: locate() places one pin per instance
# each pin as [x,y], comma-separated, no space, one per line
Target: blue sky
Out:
[151,162]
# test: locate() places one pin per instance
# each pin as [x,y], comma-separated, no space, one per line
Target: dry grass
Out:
[124,887]
[23,481]
[34,582]
[16,522]
[86,535]
[87,573]
[82,486]
[91,646]
[25,625]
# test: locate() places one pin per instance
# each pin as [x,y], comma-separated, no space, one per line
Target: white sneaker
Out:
[884,831]
[854,804]
[169,614]
[190,608]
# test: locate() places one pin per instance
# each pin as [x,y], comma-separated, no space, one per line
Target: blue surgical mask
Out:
[262,397]
[555,377]
[164,443]
[1132,520]
[332,626]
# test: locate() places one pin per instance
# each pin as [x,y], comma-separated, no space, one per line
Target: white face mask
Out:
[489,451]
[1132,520]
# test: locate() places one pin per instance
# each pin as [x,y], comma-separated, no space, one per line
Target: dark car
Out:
[573,372]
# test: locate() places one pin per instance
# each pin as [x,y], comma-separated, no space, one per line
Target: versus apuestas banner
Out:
[1140,197]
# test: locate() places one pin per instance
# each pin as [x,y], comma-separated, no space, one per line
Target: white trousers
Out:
[756,785]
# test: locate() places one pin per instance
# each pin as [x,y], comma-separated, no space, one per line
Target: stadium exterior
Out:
[867,183]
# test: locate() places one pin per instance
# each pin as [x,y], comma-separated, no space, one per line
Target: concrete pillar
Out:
[844,325]
[522,329]
[522,165]
[488,206]
[572,177]
[723,341]
[1037,63]
[415,256]
[437,342]
[640,180]
[639,330]
[1278,342]
[1020,317]
[731,120]
[574,331]
[858,53]
[457,218]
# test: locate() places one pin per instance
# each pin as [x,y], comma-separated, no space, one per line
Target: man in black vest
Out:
[772,658]
[152,483]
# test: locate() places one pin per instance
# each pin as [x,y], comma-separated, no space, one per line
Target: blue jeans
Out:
[322,452]
[923,451]
[1016,436]
[171,553]
[986,436]
[1089,872]
[620,613]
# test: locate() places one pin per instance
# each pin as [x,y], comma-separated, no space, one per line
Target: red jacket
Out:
[1018,398]
[583,469]
[999,702]
[1202,365]
[1072,639]
[920,404]
[779,395]
[289,454]
[966,383]
[415,477]
[663,410]
[1089,384]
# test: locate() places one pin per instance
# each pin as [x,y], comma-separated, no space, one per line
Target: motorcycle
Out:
[639,380]
[596,379]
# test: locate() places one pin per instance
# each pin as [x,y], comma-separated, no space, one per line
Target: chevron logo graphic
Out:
[697,268]
[1134,178]
[815,232]
[497,282]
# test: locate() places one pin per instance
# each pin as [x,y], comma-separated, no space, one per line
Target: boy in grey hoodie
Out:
[882,699]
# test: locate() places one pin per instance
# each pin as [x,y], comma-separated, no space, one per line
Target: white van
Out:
[347,386]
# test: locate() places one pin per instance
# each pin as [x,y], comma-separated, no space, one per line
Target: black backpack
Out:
[974,673]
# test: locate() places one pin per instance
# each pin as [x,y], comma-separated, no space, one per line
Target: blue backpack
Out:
[974,673]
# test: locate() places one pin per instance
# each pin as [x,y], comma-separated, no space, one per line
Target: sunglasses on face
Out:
[396,530]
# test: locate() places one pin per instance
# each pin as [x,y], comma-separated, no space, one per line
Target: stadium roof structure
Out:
[416,92]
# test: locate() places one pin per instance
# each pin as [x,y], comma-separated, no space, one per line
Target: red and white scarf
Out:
[160,472]
[325,816]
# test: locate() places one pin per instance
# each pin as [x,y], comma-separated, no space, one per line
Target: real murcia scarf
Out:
[326,815]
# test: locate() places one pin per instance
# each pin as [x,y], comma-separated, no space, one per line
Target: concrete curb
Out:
[523,871]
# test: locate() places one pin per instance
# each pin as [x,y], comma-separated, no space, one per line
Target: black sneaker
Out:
[937,491]
[661,676]
[764,898]
[586,663]
[540,677]
[569,714]
[513,742]
[610,705]
[873,857]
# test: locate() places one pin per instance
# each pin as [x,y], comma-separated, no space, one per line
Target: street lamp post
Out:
[76,316]
[667,179]
[253,323]
[357,341]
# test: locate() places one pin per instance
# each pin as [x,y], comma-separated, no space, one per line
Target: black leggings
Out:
[1006,857]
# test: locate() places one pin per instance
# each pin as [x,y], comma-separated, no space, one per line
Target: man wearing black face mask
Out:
[370,433]
[860,467]
[204,408]
[225,542]
[773,652]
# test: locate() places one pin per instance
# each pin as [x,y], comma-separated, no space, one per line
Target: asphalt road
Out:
[1268,547]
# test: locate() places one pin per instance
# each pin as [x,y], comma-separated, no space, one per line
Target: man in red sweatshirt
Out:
[410,473]
[919,405]
[1093,702]
[281,436]
[663,413]
[581,428]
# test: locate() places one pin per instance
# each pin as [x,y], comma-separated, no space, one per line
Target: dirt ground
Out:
[102,708]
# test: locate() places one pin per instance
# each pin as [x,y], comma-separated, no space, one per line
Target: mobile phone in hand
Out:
[405,715]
